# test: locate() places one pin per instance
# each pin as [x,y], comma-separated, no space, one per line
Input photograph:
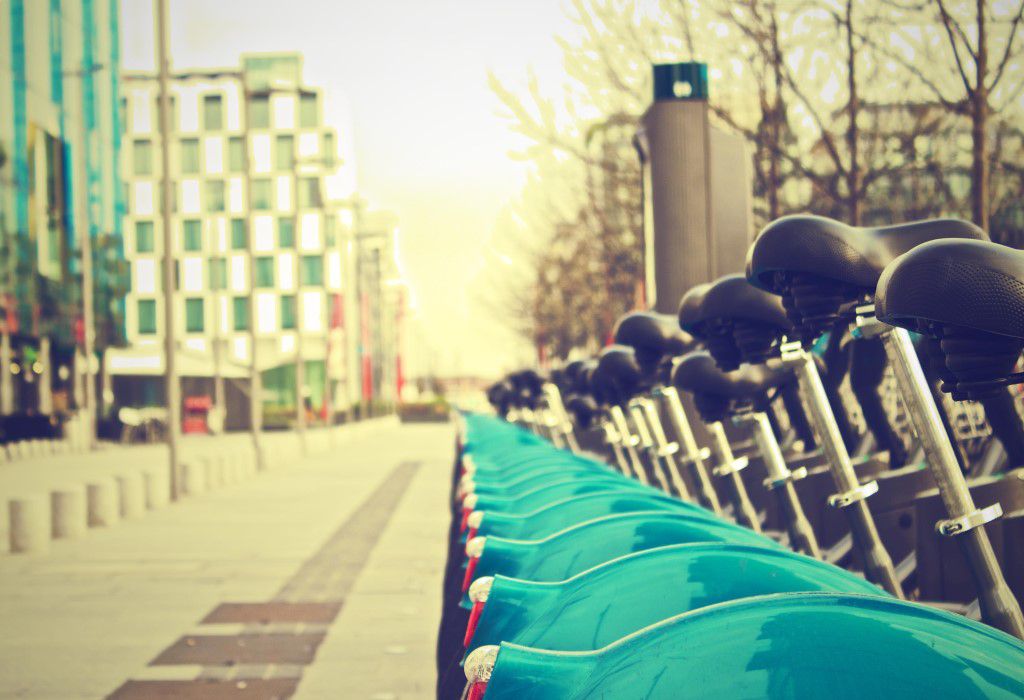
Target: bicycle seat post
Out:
[731,466]
[966,521]
[693,454]
[780,480]
[852,494]
[629,442]
[564,423]
[645,432]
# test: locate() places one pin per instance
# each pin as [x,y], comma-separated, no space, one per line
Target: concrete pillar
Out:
[214,465]
[698,217]
[6,380]
[131,495]
[69,514]
[29,524]
[45,378]
[193,472]
[103,502]
[106,397]
[157,486]
[79,370]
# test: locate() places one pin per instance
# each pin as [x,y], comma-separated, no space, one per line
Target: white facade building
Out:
[284,218]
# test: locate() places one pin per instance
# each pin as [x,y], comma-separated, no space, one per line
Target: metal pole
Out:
[852,494]
[730,466]
[170,343]
[999,607]
[780,480]
[612,437]
[255,378]
[643,431]
[300,357]
[88,312]
[629,442]
[565,424]
[694,455]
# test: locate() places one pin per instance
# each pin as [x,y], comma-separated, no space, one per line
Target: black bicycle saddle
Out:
[689,310]
[653,337]
[617,377]
[818,264]
[738,322]
[716,392]
[969,296]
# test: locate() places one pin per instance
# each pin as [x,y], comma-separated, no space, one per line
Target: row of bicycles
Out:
[692,513]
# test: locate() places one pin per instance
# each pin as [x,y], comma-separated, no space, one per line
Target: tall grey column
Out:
[697,188]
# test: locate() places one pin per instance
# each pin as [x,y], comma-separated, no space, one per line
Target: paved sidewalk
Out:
[292,546]
[382,644]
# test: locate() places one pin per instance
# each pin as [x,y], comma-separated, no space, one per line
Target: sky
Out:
[409,79]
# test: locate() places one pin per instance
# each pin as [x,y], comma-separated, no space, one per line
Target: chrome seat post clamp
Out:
[854,495]
[733,467]
[976,518]
[776,482]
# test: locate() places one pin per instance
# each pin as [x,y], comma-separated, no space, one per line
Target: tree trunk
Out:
[853,177]
[979,126]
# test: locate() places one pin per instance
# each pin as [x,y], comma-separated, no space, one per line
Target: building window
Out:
[259,111]
[288,312]
[239,235]
[192,235]
[218,274]
[262,194]
[194,319]
[240,308]
[329,150]
[213,112]
[330,230]
[236,156]
[307,111]
[147,316]
[214,195]
[311,273]
[309,193]
[265,271]
[142,156]
[285,232]
[284,155]
[190,156]
[143,236]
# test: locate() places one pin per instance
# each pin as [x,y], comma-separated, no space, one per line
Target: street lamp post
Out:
[173,388]
[85,244]
[255,378]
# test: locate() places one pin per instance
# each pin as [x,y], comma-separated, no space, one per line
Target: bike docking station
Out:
[692,511]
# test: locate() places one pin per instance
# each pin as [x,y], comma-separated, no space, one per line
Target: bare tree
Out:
[982,49]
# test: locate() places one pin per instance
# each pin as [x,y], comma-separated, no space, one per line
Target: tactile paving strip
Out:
[262,661]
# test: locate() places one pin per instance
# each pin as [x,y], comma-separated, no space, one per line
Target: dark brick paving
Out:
[313,595]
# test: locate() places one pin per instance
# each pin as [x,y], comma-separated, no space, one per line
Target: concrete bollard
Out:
[69,514]
[247,462]
[156,482]
[29,524]
[103,502]
[232,469]
[5,525]
[193,477]
[131,495]
[214,471]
